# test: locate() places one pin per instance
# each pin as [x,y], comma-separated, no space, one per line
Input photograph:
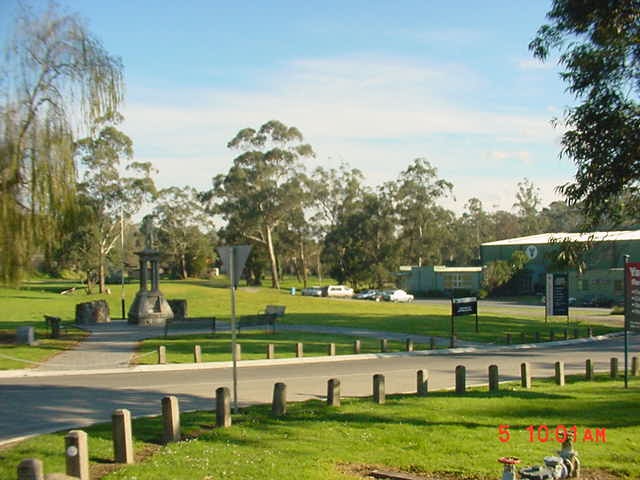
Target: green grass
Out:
[217,347]
[209,298]
[441,433]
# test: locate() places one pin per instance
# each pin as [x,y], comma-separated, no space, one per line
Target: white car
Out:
[397,296]
[337,291]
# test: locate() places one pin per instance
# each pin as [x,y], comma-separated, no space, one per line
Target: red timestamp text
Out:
[559,433]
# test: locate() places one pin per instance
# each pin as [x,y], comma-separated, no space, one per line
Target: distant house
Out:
[602,280]
[440,280]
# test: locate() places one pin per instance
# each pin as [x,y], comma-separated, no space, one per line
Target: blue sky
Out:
[375,84]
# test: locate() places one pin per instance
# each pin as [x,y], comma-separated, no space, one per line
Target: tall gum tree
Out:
[264,184]
[56,79]
[599,46]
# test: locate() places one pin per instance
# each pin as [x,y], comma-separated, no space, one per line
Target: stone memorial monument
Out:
[150,307]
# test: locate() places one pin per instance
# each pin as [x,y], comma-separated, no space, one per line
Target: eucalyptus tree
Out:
[424,227]
[111,197]
[600,56]
[361,248]
[181,220]
[264,184]
[527,206]
[56,79]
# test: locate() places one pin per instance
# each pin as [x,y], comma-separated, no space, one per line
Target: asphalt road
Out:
[31,405]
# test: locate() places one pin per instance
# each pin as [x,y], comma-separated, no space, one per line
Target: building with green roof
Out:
[600,282]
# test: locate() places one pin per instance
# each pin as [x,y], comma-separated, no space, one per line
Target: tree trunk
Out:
[303,262]
[275,283]
[183,266]
[101,274]
[319,269]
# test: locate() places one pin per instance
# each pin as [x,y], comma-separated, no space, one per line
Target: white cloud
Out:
[534,64]
[376,113]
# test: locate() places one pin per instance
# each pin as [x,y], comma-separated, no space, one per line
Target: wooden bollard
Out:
[30,469]
[508,339]
[357,346]
[613,367]
[171,419]
[576,333]
[588,369]
[634,366]
[299,350]
[525,375]
[590,332]
[552,336]
[565,333]
[494,379]
[432,343]
[223,407]
[378,388]
[197,354]
[271,351]
[279,404]
[461,379]
[333,392]
[537,337]
[422,379]
[384,345]
[122,436]
[76,447]
[331,350]
[559,373]
[409,345]
[238,352]
[162,354]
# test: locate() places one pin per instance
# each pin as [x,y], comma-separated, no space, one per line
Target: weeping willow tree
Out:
[56,80]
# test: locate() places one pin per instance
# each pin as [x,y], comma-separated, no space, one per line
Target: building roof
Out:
[443,269]
[544,238]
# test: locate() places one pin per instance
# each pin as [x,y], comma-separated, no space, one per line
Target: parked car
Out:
[375,295]
[397,296]
[312,292]
[337,291]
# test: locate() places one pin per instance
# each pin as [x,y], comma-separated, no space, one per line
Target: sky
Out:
[374,84]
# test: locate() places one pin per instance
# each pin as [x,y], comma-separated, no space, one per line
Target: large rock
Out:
[92,312]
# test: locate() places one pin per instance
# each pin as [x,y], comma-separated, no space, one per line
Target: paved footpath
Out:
[113,345]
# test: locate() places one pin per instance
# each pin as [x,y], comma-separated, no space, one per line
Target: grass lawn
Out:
[217,347]
[209,298]
[443,432]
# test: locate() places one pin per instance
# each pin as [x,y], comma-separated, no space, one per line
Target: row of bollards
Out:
[299,350]
[537,337]
[76,441]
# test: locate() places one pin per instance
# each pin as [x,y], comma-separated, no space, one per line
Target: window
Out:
[457,280]
[618,286]
[583,284]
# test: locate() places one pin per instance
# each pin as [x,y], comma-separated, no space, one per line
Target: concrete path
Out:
[113,345]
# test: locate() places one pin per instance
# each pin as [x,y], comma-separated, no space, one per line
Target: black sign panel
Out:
[560,304]
[632,304]
[464,306]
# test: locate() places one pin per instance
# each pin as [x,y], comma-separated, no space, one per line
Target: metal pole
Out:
[123,261]
[626,323]
[452,326]
[233,329]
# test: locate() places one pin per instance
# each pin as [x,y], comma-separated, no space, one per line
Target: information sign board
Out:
[632,300]
[557,299]
[464,306]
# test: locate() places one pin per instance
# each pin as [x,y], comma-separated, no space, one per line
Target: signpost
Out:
[463,306]
[631,308]
[233,260]
[557,295]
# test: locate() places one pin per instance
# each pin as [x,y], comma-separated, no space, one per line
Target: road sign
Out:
[632,300]
[240,255]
